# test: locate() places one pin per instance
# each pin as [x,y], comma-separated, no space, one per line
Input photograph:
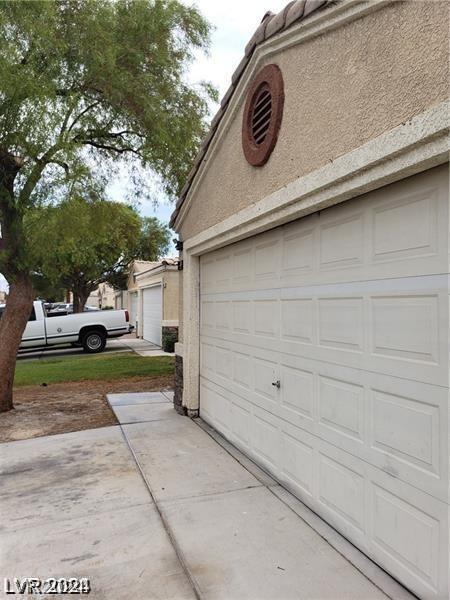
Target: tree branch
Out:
[109,147]
[82,113]
[36,173]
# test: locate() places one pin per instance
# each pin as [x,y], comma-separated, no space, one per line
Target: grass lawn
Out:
[91,368]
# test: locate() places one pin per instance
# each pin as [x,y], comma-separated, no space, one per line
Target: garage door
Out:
[152,314]
[324,357]
[133,308]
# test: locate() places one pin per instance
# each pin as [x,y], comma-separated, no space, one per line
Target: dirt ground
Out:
[64,407]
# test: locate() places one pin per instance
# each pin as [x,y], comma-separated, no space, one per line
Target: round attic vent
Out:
[262,115]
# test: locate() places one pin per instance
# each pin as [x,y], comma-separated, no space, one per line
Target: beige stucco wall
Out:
[342,89]
[180,306]
[171,295]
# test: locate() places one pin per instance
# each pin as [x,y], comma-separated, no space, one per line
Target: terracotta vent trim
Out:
[270,25]
[262,115]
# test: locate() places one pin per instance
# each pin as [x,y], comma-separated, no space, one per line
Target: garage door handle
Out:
[276,384]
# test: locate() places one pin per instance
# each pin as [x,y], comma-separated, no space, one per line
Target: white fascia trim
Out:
[157,270]
[179,349]
[152,285]
[170,323]
[414,146]
[317,24]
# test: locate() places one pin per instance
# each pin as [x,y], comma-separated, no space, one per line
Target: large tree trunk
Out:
[12,325]
[80,296]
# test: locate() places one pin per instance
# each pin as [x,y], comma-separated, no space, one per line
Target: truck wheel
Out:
[94,341]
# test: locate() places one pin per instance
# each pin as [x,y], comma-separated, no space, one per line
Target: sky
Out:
[234,23]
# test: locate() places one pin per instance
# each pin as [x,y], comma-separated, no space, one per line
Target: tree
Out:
[79,244]
[83,85]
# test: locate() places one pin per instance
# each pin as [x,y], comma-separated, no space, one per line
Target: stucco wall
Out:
[342,89]
[171,295]
[180,306]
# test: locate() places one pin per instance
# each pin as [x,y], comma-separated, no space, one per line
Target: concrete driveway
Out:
[162,507]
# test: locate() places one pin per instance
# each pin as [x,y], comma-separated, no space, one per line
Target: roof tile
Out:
[239,70]
[311,6]
[295,12]
[278,22]
[259,34]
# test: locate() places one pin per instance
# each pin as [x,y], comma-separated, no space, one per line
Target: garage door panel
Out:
[216,408]
[341,491]
[407,227]
[133,303]
[297,393]
[341,240]
[265,439]
[297,320]
[152,314]
[362,416]
[298,464]
[349,310]
[398,334]
[409,535]
[341,407]
[242,316]
[341,323]
[241,423]
[242,370]
[297,253]
[421,444]
[406,327]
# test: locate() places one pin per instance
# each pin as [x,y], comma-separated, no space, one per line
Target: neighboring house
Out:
[129,298]
[152,298]
[102,297]
[159,300]
[314,322]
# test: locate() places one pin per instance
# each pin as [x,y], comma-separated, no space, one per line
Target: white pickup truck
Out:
[87,329]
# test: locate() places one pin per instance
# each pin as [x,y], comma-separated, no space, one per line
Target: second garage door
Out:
[152,314]
[323,356]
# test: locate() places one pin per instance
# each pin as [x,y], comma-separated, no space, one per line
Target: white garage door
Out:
[152,314]
[348,310]
[133,298]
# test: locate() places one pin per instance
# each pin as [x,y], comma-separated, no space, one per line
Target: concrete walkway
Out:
[140,346]
[156,508]
[237,532]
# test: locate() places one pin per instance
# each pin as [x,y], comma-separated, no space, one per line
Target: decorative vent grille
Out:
[262,115]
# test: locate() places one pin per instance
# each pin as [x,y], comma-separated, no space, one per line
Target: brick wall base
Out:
[178,386]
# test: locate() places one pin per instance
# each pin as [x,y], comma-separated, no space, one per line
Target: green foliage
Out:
[78,244]
[168,341]
[84,85]
[84,368]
